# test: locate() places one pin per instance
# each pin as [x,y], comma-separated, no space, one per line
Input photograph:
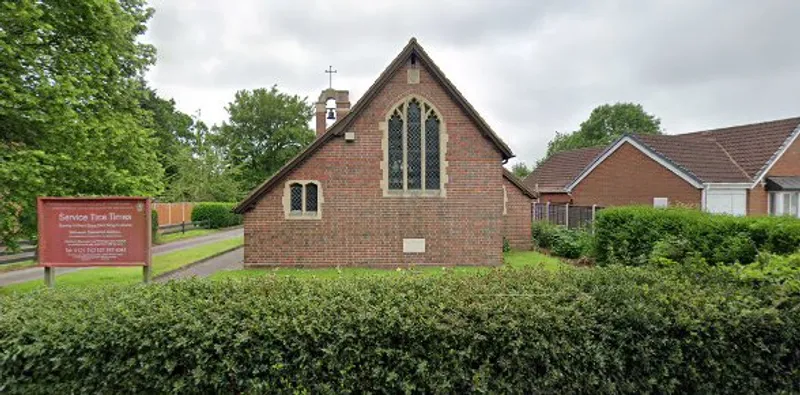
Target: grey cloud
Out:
[530,67]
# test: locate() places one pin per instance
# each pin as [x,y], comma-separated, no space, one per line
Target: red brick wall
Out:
[517,221]
[757,200]
[360,227]
[787,165]
[630,177]
[554,198]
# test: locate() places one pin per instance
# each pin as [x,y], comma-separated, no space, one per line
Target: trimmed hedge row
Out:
[607,330]
[630,235]
[218,215]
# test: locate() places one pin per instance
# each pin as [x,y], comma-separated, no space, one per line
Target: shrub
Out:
[607,330]
[629,235]
[544,234]
[671,247]
[216,215]
[571,244]
[770,269]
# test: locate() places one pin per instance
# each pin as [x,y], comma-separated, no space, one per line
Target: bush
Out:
[607,330]
[563,242]
[216,215]
[544,234]
[629,235]
[770,269]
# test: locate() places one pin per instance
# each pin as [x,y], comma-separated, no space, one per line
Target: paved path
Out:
[37,273]
[228,261]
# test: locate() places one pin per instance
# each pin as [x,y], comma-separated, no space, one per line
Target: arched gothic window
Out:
[414,147]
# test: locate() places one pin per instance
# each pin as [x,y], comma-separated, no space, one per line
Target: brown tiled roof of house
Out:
[556,172]
[735,154]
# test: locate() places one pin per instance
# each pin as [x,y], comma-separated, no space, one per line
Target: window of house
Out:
[302,199]
[414,140]
[660,202]
[784,203]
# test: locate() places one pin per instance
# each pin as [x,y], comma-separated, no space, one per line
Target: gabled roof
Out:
[518,183]
[413,48]
[737,154]
[555,173]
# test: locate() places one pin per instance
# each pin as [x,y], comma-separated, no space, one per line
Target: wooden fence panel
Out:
[570,216]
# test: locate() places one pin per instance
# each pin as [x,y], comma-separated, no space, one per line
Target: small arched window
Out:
[296,198]
[311,197]
[414,147]
[302,199]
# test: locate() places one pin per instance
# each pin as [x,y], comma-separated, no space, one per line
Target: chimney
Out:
[340,109]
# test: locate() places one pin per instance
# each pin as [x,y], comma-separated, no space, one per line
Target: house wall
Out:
[787,165]
[517,220]
[554,198]
[629,177]
[361,227]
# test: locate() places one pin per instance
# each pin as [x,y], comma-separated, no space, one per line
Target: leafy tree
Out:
[606,123]
[266,128]
[521,170]
[70,116]
[173,129]
[201,173]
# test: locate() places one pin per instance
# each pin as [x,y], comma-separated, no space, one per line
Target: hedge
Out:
[606,330]
[629,235]
[560,241]
[218,215]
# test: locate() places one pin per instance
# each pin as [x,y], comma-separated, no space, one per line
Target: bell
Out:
[331,114]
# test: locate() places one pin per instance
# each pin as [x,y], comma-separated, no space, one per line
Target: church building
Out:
[410,175]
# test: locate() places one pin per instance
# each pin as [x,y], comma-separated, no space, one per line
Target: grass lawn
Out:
[9,267]
[128,275]
[164,239]
[513,259]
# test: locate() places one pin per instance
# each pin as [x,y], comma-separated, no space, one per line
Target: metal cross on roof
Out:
[330,72]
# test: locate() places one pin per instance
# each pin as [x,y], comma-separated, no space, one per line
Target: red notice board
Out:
[105,231]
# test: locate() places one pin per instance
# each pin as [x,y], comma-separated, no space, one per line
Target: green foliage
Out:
[632,235]
[216,215]
[771,269]
[201,177]
[609,330]
[70,109]
[506,245]
[544,234]
[265,129]
[521,170]
[606,123]
[563,242]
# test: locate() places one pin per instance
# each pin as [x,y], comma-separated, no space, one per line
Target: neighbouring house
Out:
[410,175]
[741,170]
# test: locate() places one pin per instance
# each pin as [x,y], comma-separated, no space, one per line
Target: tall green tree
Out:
[606,123]
[201,173]
[70,116]
[521,170]
[265,129]
[173,130]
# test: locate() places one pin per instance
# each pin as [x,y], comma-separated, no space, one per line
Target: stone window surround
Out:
[505,200]
[383,126]
[287,200]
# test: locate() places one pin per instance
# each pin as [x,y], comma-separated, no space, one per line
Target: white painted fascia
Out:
[726,185]
[652,155]
[789,141]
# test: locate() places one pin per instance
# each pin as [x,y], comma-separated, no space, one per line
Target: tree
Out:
[266,128]
[521,170]
[70,116]
[606,123]
[173,129]
[201,173]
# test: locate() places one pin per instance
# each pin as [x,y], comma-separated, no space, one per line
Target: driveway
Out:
[37,273]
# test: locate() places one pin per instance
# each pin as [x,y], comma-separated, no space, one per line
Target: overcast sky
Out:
[530,67]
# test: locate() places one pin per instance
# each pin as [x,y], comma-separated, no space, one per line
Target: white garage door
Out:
[727,201]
